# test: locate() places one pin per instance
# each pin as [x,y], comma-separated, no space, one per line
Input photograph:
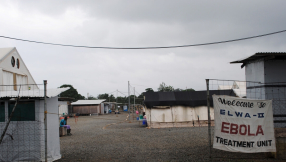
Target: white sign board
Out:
[243,125]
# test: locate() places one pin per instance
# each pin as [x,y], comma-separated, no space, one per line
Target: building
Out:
[265,75]
[86,107]
[13,71]
[24,140]
[65,106]
[179,109]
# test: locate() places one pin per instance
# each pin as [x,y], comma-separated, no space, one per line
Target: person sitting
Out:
[63,123]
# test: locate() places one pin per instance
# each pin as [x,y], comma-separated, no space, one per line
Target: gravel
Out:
[112,138]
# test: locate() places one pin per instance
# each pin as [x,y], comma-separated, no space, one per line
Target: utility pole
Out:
[116,108]
[129,100]
[45,120]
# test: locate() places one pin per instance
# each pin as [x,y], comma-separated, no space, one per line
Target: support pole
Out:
[209,117]
[134,104]
[46,122]
[116,108]
[129,101]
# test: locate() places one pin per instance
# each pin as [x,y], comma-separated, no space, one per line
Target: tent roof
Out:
[221,87]
[39,93]
[188,98]
[87,102]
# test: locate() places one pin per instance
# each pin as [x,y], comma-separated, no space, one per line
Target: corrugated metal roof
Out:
[87,102]
[33,93]
[261,55]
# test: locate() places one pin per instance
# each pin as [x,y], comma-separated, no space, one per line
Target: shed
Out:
[169,109]
[266,79]
[88,106]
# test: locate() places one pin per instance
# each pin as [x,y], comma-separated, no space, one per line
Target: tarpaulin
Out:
[182,98]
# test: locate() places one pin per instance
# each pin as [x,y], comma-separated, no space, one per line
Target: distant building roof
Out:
[87,102]
[262,55]
[186,98]
[37,93]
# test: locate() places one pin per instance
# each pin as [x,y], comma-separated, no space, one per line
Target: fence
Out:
[22,123]
[112,137]
[250,90]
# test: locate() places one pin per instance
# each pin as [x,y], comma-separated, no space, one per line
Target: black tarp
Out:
[182,98]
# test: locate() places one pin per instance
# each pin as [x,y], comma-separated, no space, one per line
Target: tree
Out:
[164,88]
[107,97]
[91,98]
[179,89]
[122,99]
[72,92]
[149,90]
[189,89]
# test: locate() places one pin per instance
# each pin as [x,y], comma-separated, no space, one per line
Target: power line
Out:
[121,93]
[133,48]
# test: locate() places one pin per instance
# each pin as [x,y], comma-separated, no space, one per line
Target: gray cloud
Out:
[137,24]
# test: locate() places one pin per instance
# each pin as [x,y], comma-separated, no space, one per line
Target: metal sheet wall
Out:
[86,109]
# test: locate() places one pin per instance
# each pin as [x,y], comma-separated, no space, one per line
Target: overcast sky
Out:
[139,24]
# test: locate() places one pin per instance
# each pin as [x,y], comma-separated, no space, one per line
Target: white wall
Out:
[53,128]
[63,108]
[178,114]
[5,65]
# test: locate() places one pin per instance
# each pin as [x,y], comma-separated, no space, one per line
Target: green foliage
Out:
[122,99]
[189,89]
[91,98]
[164,88]
[149,90]
[107,97]
[72,92]
[179,89]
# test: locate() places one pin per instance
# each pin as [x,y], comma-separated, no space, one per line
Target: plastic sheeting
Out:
[178,114]
[189,98]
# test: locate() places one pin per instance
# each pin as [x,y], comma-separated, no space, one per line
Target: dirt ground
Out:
[112,138]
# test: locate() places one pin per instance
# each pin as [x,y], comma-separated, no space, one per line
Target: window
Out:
[13,61]
[2,112]
[18,63]
[25,111]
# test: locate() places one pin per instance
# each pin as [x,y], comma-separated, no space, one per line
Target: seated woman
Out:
[63,123]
